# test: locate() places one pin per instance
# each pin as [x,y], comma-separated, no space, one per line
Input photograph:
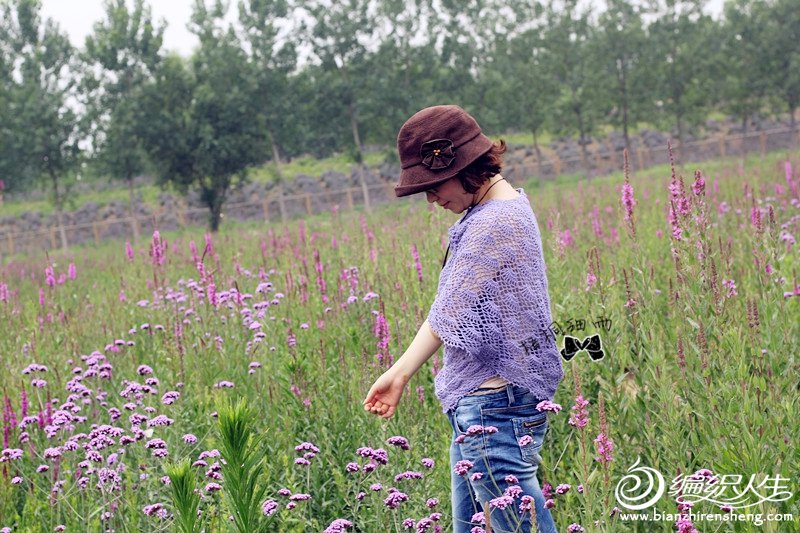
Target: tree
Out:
[620,51]
[570,64]
[684,51]
[528,92]
[46,129]
[781,52]
[202,128]
[272,58]
[338,38]
[123,52]
[743,89]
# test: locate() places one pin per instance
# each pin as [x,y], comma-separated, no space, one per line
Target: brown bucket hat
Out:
[434,145]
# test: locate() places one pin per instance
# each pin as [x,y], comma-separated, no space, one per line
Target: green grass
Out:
[729,405]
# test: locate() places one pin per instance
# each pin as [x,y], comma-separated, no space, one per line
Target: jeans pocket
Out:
[530,432]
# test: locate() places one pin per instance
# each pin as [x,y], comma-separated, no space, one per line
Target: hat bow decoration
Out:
[437,154]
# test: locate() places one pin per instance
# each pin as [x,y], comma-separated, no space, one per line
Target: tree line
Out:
[294,77]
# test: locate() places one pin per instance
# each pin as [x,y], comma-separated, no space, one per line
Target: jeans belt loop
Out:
[510,391]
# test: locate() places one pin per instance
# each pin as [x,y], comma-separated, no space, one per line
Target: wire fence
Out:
[272,208]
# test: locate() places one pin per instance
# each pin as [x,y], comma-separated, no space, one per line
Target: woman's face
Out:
[450,195]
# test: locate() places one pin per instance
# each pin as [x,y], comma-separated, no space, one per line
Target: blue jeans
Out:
[512,411]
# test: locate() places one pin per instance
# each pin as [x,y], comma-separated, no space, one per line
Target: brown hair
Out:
[484,168]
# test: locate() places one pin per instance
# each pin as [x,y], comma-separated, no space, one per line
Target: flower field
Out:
[215,382]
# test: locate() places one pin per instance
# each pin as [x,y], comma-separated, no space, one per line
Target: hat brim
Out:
[420,178]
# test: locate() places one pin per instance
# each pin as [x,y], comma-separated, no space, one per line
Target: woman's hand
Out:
[385,393]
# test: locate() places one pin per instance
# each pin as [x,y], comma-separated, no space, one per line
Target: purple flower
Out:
[731,286]
[575,528]
[563,488]
[306,446]
[213,487]
[42,468]
[627,199]
[284,492]
[394,499]
[10,454]
[144,370]
[580,416]
[269,507]
[160,420]
[170,397]
[52,453]
[376,487]
[338,526]
[427,462]
[514,491]
[432,502]
[547,405]
[302,462]
[223,385]
[299,497]
[462,467]
[604,447]
[189,439]
[352,467]
[401,442]
[16,480]
[380,456]
[478,518]
[526,502]
[525,440]
[408,475]
[512,479]
[476,476]
[501,502]
[364,451]
[151,510]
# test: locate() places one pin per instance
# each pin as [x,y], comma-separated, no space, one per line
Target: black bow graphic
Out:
[591,344]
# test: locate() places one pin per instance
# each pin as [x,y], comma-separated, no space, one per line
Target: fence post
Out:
[557,166]
[10,244]
[762,143]
[722,147]
[265,209]
[350,198]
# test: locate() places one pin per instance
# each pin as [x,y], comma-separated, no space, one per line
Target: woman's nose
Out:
[430,197]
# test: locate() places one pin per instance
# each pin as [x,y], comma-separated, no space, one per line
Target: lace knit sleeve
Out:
[465,313]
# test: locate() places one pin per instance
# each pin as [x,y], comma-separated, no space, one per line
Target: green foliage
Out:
[185,500]
[243,467]
[39,82]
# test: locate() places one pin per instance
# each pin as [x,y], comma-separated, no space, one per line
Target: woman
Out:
[492,313]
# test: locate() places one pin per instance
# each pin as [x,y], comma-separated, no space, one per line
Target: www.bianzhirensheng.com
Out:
[757,519]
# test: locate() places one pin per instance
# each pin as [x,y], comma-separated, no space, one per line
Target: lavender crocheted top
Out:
[492,307]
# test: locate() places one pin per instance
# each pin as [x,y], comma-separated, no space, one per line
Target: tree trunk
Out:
[359,157]
[623,87]
[216,215]
[276,158]
[131,211]
[538,151]
[59,205]
[583,141]
[215,198]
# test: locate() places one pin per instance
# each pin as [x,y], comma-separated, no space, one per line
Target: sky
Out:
[78,16]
